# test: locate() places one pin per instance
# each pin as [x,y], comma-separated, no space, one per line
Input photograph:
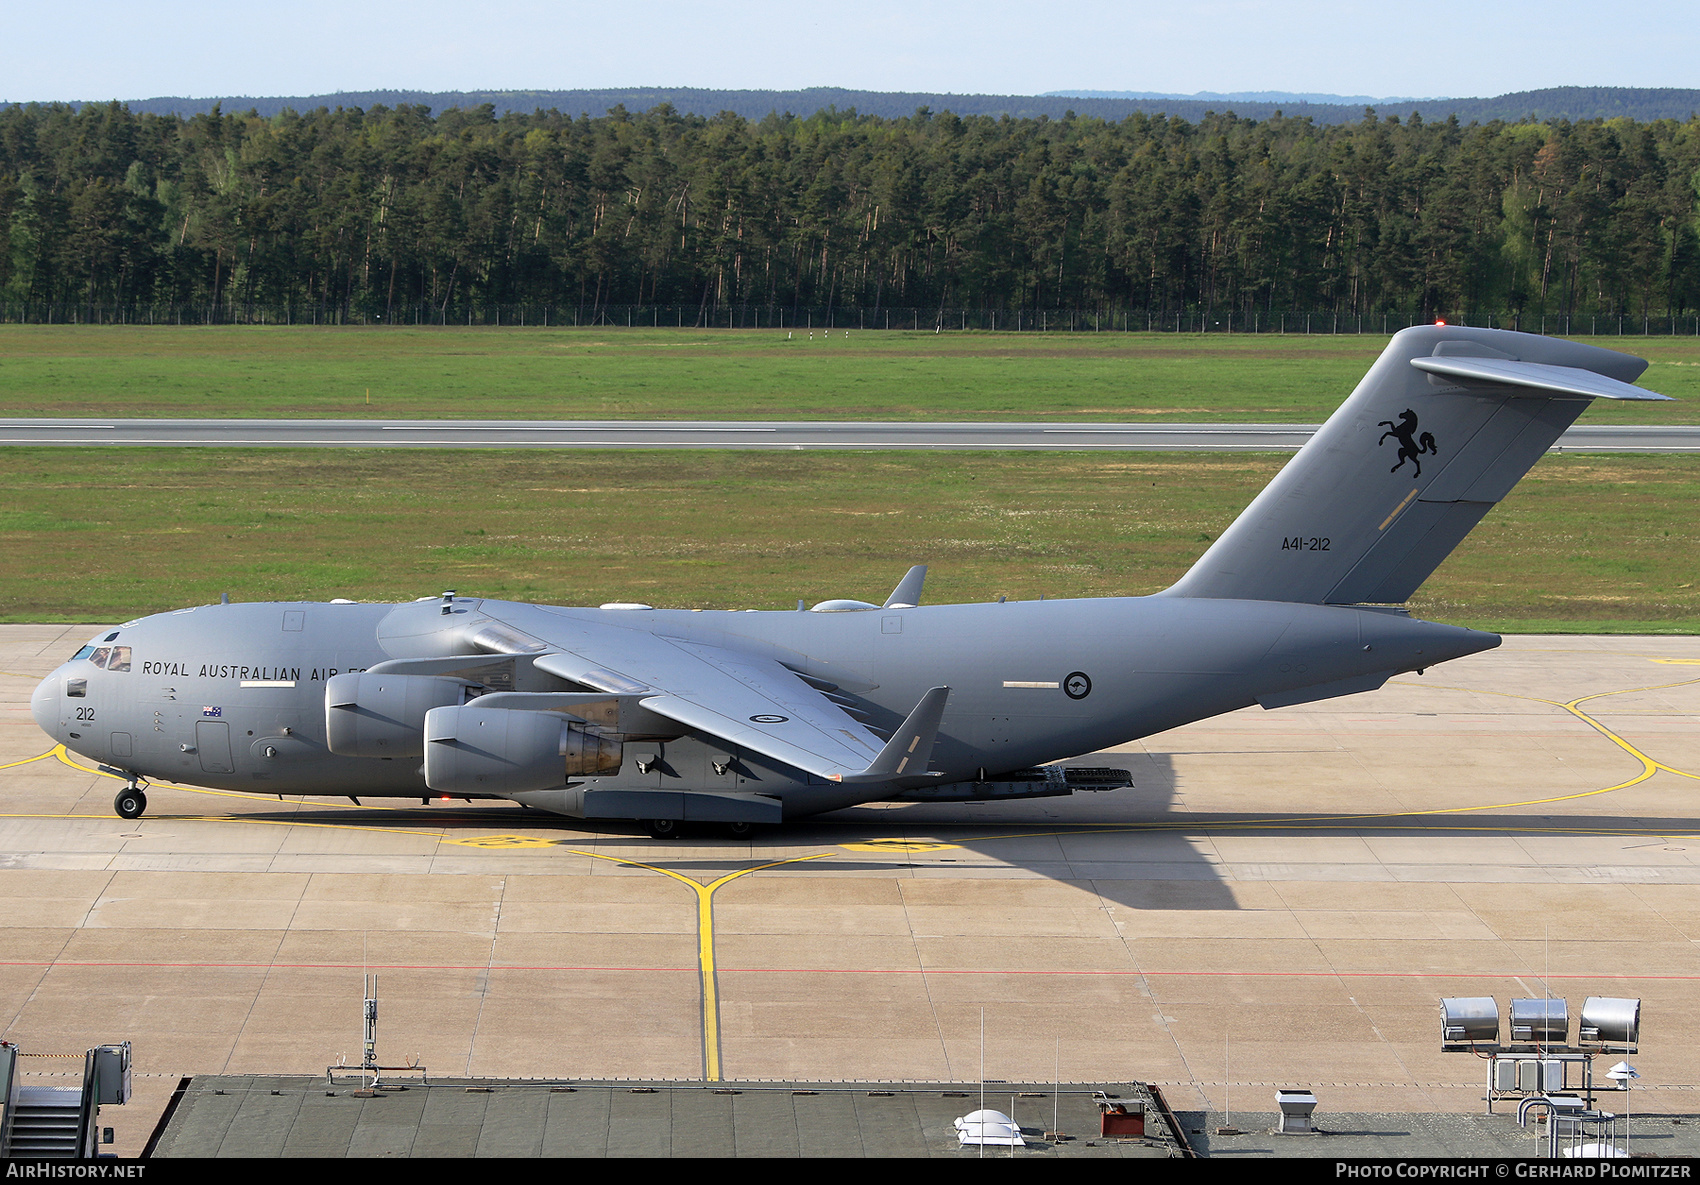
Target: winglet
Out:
[907,594]
[910,748]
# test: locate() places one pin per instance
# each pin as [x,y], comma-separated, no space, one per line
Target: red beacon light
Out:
[1440,320]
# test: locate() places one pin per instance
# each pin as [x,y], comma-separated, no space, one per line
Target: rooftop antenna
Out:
[1623,1074]
[1056,1095]
[369,1017]
[369,1046]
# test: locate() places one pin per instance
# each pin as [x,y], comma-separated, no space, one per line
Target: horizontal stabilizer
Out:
[1537,378]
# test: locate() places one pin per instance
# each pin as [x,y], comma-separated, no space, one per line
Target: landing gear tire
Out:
[664,828]
[130,803]
[740,830]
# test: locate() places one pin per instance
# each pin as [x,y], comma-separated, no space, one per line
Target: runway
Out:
[1281,899]
[775,435]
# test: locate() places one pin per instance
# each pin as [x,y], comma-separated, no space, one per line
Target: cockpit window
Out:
[107,658]
[112,637]
[76,688]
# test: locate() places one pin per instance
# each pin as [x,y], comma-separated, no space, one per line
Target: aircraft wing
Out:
[748,701]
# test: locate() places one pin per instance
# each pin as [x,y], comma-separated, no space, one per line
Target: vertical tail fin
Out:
[1441,428]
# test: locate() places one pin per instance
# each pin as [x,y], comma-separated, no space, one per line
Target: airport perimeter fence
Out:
[806,319]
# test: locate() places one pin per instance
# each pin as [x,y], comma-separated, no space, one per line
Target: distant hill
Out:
[754,104]
[1247,96]
[1570,102]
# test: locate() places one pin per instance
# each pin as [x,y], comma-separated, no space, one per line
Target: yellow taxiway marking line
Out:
[710,994]
[705,942]
[710,999]
[64,755]
[60,752]
[57,749]
[897,844]
[224,819]
[1649,767]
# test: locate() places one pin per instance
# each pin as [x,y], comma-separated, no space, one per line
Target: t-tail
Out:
[1442,427]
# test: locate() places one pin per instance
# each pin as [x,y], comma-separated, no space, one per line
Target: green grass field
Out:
[719,374]
[1584,544]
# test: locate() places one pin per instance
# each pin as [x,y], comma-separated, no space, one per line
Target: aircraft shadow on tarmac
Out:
[1132,846]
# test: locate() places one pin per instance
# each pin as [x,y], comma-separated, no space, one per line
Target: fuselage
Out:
[233,695]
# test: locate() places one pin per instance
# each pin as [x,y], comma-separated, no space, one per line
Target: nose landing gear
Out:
[131,801]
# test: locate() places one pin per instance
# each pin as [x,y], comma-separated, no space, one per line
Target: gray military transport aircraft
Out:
[673,717]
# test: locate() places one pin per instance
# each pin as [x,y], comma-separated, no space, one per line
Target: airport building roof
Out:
[253,1115]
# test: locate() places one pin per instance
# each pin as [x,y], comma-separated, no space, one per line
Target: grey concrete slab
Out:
[890,1125]
[765,1124]
[703,1125]
[387,1126]
[513,1124]
[639,1123]
[826,1126]
[329,1128]
[436,1141]
[577,1124]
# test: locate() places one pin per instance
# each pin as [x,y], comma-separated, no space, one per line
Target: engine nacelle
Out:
[368,715]
[473,750]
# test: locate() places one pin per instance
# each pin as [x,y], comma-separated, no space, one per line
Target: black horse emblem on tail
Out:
[1411,446]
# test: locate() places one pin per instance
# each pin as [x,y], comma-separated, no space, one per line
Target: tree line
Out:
[396,214]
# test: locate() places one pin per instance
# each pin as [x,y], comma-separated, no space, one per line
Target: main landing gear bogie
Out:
[131,802]
[675,829]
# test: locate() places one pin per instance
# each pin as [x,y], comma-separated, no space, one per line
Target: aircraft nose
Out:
[44,704]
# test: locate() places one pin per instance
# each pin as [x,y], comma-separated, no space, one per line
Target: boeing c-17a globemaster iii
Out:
[673,717]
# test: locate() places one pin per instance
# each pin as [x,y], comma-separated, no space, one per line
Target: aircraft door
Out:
[212,742]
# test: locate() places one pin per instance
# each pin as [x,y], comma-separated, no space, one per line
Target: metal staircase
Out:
[47,1123]
[60,1122]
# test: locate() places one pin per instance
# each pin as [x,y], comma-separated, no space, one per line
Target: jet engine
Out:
[376,715]
[473,750]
